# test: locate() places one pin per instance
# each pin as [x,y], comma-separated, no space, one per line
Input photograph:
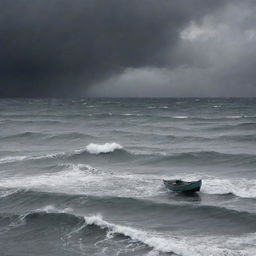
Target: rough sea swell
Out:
[84,177]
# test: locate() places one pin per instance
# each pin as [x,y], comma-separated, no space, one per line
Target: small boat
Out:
[183,186]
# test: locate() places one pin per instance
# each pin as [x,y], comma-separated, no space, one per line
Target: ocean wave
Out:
[240,126]
[48,210]
[13,159]
[165,243]
[31,122]
[198,246]
[129,202]
[91,149]
[71,135]
[37,135]
[9,192]
[24,135]
[203,158]
[116,152]
[238,138]
[157,243]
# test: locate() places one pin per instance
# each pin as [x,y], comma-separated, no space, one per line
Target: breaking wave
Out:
[158,242]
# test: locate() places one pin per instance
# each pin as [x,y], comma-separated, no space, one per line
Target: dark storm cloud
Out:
[60,47]
[214,56]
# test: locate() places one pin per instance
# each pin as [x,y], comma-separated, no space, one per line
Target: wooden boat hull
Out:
[187,188]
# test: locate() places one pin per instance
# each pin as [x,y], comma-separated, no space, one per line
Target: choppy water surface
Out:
[84,177]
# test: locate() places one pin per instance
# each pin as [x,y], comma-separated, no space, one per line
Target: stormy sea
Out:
[85,176]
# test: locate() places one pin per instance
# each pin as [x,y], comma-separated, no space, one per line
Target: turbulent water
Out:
[84,177]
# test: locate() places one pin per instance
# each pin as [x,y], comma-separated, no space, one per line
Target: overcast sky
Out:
[135,48]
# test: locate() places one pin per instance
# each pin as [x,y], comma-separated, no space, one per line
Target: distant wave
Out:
[238,138]
[27,122]
[43,136]
[102,148]
[13,159]
[240,126]
[70,135]
[91,149]
[180,117]
[205,158]
[116,152]
[24,135]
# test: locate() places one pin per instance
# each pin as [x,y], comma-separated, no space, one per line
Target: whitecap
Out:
[234,117]
[180,117]
[102,148]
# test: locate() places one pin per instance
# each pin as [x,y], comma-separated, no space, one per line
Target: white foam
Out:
[102,148]
[84,179]
[245,188]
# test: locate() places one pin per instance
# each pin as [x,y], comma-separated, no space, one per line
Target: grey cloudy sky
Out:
[127,48]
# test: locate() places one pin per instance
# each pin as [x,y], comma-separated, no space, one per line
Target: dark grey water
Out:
[84,177]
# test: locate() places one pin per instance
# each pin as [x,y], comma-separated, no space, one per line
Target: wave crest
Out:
[170,244]
[93,148]
[159,242]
